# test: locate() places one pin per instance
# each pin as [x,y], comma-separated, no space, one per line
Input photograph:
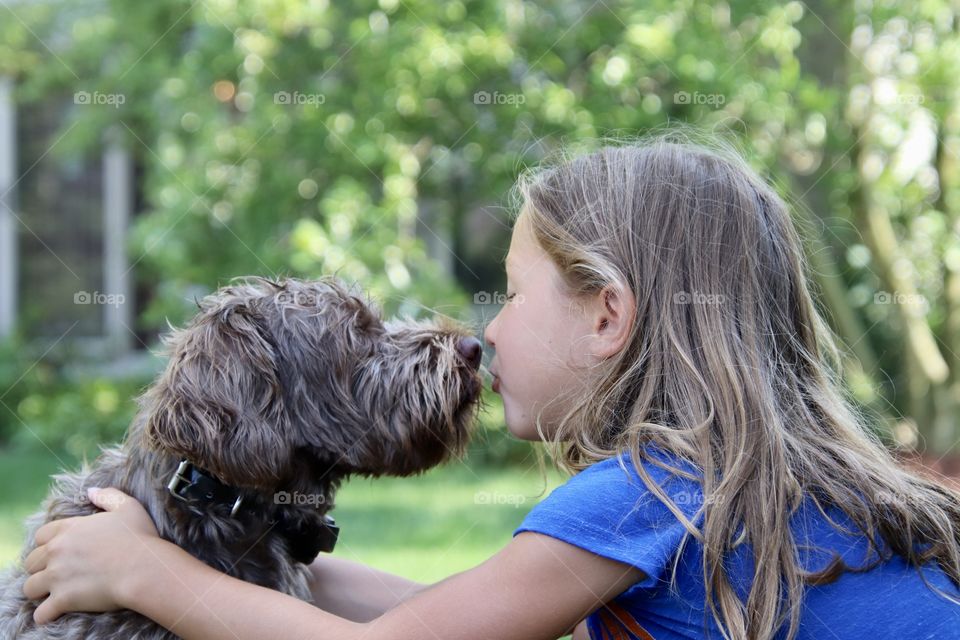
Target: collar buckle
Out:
[184,486]
[181,480]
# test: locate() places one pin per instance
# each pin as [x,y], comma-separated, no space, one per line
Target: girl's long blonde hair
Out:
[729,366]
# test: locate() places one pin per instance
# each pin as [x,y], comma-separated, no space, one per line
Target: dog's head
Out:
[275,375]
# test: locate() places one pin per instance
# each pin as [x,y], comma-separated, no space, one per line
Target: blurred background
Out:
[150,151]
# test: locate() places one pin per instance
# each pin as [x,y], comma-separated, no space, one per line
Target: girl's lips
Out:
[495,385]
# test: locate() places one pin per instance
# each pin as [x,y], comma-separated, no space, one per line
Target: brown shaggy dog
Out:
[273,394]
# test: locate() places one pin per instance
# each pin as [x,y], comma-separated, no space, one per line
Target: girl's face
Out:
[538,340]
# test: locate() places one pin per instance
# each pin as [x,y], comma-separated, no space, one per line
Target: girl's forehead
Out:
[520,238]
[515,256]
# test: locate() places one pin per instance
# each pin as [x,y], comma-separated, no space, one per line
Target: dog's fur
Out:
[274,386]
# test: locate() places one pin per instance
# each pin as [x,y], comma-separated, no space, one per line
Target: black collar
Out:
[304,540]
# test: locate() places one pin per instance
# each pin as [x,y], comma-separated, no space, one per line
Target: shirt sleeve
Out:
[611,512]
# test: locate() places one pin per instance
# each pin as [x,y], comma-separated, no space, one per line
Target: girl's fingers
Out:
[36,586]
[48,531]
[49,610]
[109,499]
[37,560]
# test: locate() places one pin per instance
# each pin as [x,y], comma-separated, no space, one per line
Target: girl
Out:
[661,337]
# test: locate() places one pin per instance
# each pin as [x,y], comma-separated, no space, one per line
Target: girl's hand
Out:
[81,563]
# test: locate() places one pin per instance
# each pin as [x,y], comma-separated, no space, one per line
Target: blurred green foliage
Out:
[48,406]
[375,139]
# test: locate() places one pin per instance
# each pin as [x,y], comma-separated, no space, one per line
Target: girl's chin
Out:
[522,428]
[520,424]
[525,432]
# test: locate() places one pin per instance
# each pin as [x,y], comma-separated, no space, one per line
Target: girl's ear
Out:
[614,313]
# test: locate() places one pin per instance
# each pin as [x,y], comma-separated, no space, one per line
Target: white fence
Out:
[117,190]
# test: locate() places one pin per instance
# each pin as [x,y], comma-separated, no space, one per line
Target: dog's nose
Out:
[471,350]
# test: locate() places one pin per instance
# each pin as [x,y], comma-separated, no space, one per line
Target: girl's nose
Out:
[471,350]
[488,333]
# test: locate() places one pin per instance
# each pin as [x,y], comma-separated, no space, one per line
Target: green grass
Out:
[429,527]
[424,528]
[24,481]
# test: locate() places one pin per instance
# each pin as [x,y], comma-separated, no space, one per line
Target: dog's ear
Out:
[219,402]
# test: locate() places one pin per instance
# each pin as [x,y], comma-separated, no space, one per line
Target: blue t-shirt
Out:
[606,511]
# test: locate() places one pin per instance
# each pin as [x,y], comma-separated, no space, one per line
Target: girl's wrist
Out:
[157,560]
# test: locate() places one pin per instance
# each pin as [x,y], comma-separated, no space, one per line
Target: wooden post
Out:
[8,225]
[117,208]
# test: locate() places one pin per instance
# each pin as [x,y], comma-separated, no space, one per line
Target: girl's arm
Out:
[355,591]
[581,632]
[358,592]
[536,587]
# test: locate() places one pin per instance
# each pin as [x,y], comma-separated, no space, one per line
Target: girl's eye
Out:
[511,296]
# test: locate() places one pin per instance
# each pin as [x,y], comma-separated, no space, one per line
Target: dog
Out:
[273,394]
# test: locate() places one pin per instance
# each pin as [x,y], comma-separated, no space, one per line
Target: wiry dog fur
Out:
[274,386]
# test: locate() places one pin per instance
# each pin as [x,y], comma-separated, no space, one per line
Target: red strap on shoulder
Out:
[615,619]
